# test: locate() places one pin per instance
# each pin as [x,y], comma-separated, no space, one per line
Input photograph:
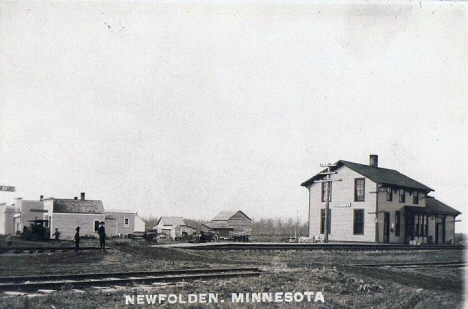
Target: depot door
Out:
[386,234]
[439,238]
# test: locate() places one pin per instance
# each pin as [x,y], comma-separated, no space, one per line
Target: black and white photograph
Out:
[233,154]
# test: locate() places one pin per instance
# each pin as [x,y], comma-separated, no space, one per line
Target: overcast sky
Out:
[187,108]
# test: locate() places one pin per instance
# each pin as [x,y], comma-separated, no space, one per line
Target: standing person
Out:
[77,239]
[57,235]
[102,236]
[9,240]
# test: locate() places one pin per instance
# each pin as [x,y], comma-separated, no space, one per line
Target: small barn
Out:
[229,221]
[173,227]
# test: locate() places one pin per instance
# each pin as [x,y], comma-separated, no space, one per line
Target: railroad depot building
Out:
[373,204]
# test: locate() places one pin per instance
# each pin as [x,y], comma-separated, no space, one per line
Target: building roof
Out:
[436,206]
[226,215]
[173,221]
[8,207]
[376,174]
[120,211]
[214,225]
[78,206]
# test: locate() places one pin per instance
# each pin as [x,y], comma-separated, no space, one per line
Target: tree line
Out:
[262,227]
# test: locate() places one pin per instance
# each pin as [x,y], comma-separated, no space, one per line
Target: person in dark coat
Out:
[57,235]
[102,236]
[202,237]
[77,239]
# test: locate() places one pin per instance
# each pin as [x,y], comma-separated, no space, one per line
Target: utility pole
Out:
[328,180]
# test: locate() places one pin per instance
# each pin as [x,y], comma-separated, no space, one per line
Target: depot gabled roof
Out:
[376,174]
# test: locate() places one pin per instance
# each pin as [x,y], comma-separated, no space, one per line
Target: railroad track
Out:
[334,247]
[20,250]
[58,282]
[412,264]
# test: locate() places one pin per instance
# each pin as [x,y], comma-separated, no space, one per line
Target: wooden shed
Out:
[219,227]
[229,221]
[173,227]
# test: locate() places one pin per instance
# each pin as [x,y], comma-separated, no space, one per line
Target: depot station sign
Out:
[341,204]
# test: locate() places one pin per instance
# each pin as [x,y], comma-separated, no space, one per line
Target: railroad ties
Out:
[22,250]
[58,282]
[325,247]
[456,264]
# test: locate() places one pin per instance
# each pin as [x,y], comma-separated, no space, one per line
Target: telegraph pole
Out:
[328,180]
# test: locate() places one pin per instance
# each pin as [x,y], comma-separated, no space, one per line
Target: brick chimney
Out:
[82,196]
[41,198]
[374,160]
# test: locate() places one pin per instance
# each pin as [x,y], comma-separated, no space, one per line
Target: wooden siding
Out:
[118,226]
[342,218]
[240,225]
[67,223]
[449,229]
[139,225]
[27,211]
[7,220]
[393,206]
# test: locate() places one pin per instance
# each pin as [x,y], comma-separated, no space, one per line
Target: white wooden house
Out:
[67,214]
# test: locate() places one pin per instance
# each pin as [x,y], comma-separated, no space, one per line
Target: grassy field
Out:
[342,285]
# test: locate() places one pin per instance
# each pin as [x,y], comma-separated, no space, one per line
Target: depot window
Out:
[401,195]
[126,222]
[359,189]
[389,194]
[324,191]
[358,221]
[415,197]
